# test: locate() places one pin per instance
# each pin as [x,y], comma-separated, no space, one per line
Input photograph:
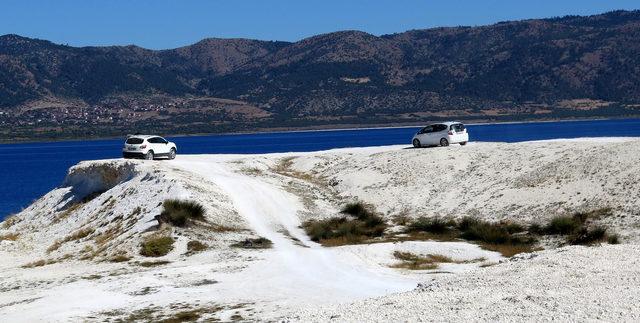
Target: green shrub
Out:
[513,227]
[467,222]
[357,209]
[486,232]
[471,228]
[587,236]
[564,224]
[178,212]
[579,228]
[536,228]
[362,224]
[432,225]
[156,246]
[613,239]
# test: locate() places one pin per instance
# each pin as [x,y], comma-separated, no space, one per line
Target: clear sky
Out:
[162,24]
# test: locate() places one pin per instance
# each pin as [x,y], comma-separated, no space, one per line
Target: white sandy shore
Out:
[270,195]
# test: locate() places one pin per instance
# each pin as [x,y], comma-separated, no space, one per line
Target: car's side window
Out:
[154,140]
[439,127]
[162,140]
[427,129]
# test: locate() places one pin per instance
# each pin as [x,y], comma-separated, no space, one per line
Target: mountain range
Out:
[566,67]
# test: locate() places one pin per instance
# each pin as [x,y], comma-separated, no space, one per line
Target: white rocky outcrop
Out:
[75,253]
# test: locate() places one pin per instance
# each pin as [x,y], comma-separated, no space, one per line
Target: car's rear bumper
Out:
[131,154]
[458,138]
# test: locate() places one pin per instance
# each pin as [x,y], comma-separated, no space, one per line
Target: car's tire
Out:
[444,142]
[416,143]
[172,154]
[149,155]
[463,143]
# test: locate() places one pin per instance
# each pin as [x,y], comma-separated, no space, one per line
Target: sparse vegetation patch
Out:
[120,258]
[510,238]
[431,225]
[360,224]
[579,228]
[78,235]
[196,246]
[156,246]
[10,221]
[419,262]
[10,236]
[148,264]
[257,243]
[39,263]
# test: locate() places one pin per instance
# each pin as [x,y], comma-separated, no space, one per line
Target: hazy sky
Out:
[167,24]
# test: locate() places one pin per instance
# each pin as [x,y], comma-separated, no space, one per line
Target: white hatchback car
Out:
[148,147]
[442,134]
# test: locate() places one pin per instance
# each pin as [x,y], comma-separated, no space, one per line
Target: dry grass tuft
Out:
[10,236]
[418,262]
[509,250]
[39,263]
[148,264]
[284,168]
[413,262]
[67,212]
[120,258]
[253,171]
[109,234]
[196,246]
[80,234]
[222,228]
[10,221]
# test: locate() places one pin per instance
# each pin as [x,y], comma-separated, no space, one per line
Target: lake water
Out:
[29,170]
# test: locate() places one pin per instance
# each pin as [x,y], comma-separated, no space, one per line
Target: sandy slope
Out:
[530,181]
[269,195]
[570,284]
[271,213]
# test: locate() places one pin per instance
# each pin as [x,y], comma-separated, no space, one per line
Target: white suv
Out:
[148,147]
[441,134]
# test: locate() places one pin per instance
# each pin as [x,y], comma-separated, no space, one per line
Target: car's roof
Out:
[448,123]
[142,136]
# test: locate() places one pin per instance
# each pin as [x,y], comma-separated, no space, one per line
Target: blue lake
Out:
[29,170]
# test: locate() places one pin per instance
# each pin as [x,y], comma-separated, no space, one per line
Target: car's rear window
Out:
[134,141]
[458,127]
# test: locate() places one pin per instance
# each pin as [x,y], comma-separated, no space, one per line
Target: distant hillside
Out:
[550,68]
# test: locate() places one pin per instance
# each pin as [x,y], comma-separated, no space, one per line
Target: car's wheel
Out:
[444,142]
[172,154]
[149,155]
[416,143]
[463,143]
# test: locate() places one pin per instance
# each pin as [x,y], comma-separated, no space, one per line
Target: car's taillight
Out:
[450,133]
[143,146]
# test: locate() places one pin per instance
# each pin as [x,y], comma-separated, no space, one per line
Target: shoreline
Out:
[307,129]
[346,150]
